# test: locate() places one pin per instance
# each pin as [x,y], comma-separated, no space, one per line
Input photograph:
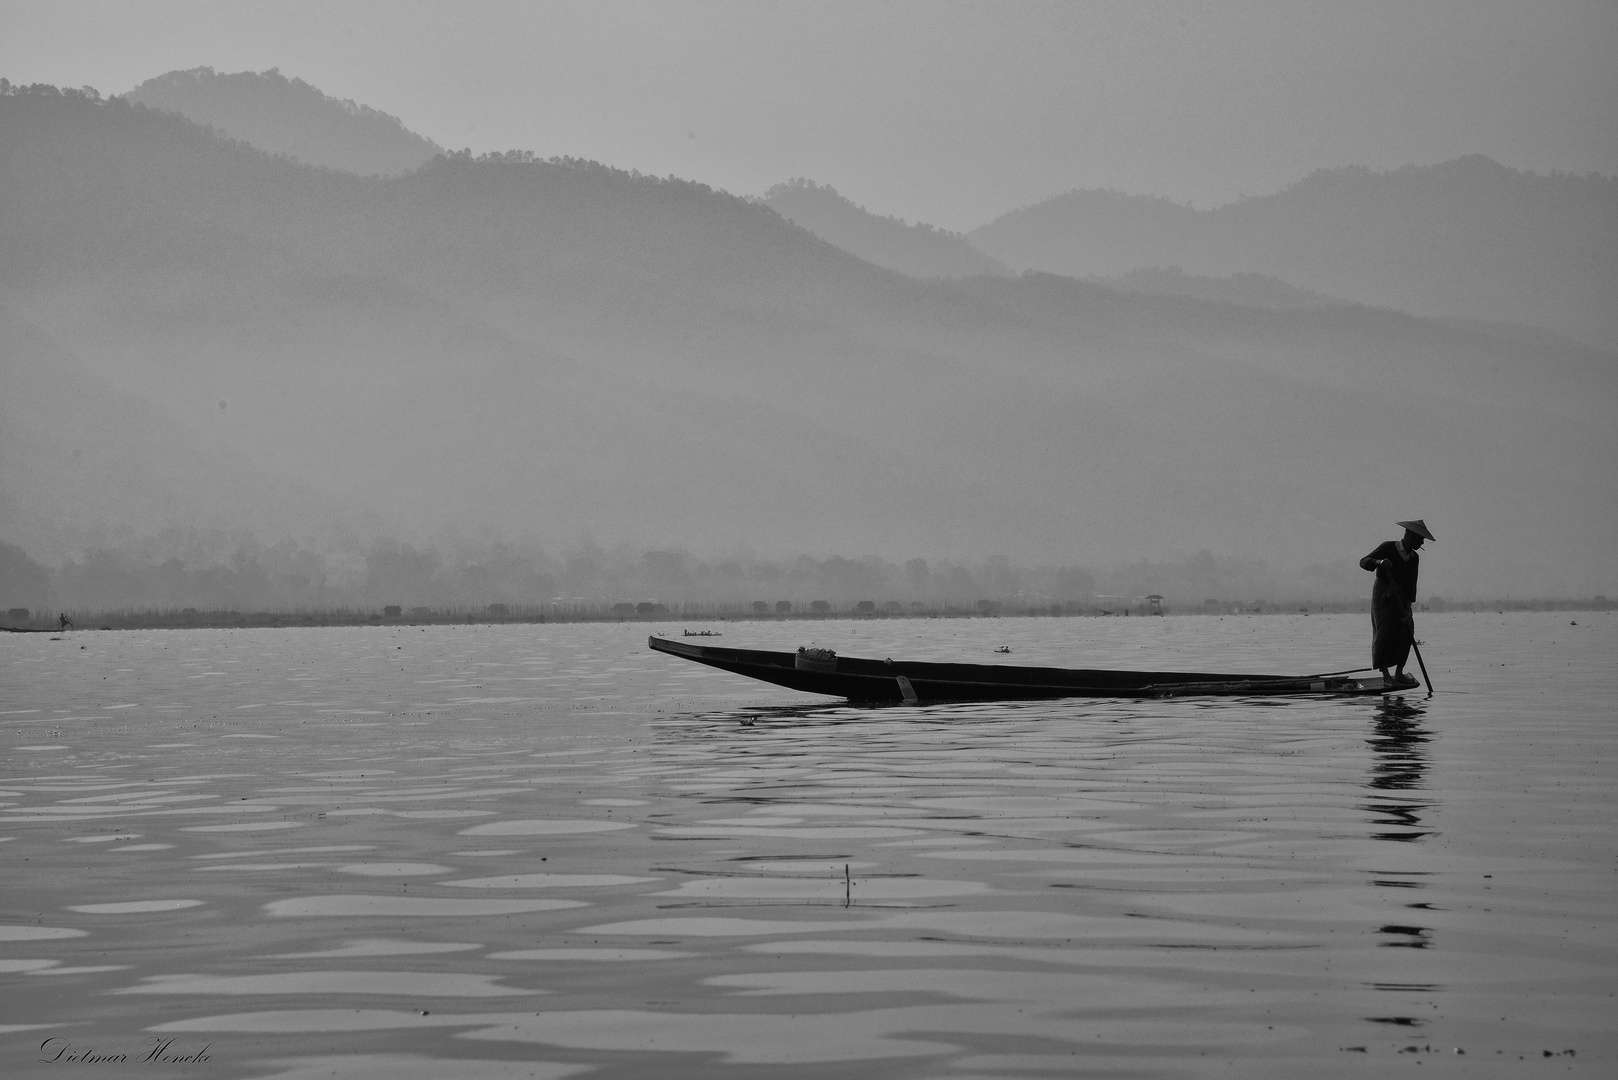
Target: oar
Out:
[1428,679]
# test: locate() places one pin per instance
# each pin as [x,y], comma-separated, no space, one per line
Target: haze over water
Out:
[547,851]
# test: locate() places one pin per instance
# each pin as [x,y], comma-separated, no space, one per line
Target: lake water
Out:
[545,851]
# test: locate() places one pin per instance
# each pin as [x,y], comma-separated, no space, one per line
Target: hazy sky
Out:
[951,113]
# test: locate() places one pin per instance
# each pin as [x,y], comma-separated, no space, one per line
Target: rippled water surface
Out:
[547,851]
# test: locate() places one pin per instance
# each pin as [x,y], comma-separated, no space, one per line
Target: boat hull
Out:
[899,681]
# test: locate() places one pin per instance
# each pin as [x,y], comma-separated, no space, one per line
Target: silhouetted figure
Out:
[67,623]
[1393,624]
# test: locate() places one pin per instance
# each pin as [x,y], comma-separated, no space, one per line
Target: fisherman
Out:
[1393,626]
[64,620]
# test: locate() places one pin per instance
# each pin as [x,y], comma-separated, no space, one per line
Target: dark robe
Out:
[1392,627]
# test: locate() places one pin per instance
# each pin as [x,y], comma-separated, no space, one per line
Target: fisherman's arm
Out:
[1375,559]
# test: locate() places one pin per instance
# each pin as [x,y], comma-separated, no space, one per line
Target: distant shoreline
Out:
[705,616]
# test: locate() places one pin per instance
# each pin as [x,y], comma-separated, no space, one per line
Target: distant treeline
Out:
[220,571]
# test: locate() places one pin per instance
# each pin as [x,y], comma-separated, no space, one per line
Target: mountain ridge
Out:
[919,250]
[1463,238]
[289,116]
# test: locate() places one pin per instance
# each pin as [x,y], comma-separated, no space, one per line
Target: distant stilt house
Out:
[1154,604]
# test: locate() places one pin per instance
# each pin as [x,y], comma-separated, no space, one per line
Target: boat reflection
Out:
[953,714]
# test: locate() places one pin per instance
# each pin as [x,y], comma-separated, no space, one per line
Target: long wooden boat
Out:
[817,671]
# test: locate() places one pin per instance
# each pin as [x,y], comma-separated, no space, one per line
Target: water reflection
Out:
[1399,767]
[1399,764]
[1405,937]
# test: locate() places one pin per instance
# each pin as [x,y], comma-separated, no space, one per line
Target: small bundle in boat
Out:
[816,660]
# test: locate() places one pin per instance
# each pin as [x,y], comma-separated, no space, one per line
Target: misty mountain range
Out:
[198,333]
[1466,239]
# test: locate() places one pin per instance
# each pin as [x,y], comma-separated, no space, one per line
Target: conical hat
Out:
[1419,527]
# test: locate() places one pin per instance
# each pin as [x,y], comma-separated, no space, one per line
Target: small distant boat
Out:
[820,671]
